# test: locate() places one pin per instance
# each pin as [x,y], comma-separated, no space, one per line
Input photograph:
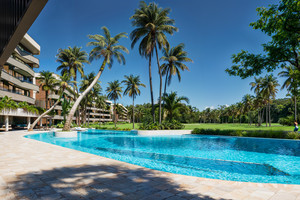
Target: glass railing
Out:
[20,78]
[13,91]
[23,50]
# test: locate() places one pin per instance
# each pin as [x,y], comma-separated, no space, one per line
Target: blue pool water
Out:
[217,157]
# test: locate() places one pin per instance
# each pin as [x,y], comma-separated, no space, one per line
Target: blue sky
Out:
[211,30]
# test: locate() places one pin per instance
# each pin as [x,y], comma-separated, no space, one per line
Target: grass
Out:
[274,127]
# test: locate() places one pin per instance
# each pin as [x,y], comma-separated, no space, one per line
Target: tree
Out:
[248,105]
[281,23]
[63,83]
[105,47]
[48,83]
[152,23]
[132,90]
[291,84]
[174,59]
[173,102]
[72,60]
[269,90]
[114,90]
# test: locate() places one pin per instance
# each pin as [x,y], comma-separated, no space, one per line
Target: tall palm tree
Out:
[114,90]
[48,83]
[132,89]
[152,23]
[72,61]
[105,47]
[291,83]
[269,90]
[63,82]
[173,102]
[174,59]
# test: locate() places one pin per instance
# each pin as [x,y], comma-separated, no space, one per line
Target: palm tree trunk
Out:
[269,115]
[115,113]
[151,89]
[42,115]
[67,125]
[295,108]
[165,91]
[133,112]
[266,115]
[160,83]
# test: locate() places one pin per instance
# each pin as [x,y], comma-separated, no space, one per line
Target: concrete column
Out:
[6,123]
[41,124]
[28,122]
[34,92]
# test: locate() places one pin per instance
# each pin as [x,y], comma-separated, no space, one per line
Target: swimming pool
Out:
[217,157]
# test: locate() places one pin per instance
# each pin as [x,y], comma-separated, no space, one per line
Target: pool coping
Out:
[234,189]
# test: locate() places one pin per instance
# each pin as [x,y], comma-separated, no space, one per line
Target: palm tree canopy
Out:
[114,90]
[132,85]
[292,78]
[152,23]
[256,85]
[174,59]
[173,102]
[71,60]
[107,47]
[47,81]
[269,86]
[87,80]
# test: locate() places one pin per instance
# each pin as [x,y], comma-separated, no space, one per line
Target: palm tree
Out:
[152,23]
[8,103]
[248,104]
[174,59]
[291,83]
[132,89]
[72,60]
[63,82]
[48,83]
[269,90]
[105,47]
[173,102]
[114,90]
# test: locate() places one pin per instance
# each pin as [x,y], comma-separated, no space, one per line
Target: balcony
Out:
[21,67]
[58,108]
[16,96]
[28,57]
[30,44]
[53,96]
[20,83]
[19,112]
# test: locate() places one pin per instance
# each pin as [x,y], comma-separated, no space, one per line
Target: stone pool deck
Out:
[31,169]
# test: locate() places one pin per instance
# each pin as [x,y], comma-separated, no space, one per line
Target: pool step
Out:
[201,163]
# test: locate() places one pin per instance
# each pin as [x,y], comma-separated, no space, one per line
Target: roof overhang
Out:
[14,25]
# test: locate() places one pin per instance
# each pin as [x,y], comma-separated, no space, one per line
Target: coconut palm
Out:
[48,83]
[132,89]
[269,90]
[105,47]
[8,103]
[248,105]
[114,91]
[173,102]
[72,61]
[152,23]
[63,82]
[174,59]
[291,83]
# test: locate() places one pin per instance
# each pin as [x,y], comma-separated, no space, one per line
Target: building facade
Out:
[18,82]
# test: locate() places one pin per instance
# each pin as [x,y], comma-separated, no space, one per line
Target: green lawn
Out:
[275,127]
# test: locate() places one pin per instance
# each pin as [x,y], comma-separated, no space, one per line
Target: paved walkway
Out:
[31,169]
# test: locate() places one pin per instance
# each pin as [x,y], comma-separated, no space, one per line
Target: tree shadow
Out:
[99,182]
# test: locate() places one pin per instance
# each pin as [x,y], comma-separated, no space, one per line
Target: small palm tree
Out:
[48,83]
[173,102]
[291,83]
[132,89]
[105,47]
[152,24]
[248,105]
[114,91]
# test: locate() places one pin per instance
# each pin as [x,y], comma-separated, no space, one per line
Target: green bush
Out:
[250,133]
[286,121]
[165,125]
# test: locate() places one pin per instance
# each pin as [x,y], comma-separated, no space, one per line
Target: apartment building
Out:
[18,81]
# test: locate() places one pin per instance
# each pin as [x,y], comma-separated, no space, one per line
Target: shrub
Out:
[286,121]
[259,133]
[165,125]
